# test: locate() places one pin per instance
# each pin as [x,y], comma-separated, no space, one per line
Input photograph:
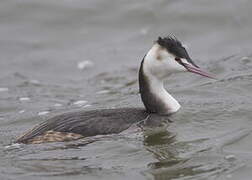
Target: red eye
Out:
[177,59]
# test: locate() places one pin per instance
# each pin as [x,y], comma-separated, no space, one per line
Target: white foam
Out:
[21,111]
[3,89]
[57,105]
[34,81]
[13,146]
[42,113]
[230,157]
[84,64]
[80,103]
[24,99]
[103,92]
[245,58]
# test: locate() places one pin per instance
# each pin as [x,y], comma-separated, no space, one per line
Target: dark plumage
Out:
[88,123]
[174,46]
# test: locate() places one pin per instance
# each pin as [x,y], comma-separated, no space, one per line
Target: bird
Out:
[166,56]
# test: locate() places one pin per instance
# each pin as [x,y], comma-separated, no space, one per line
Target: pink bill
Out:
[196,70]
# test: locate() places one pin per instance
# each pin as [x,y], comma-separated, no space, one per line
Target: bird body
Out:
[167,56]
[84,124]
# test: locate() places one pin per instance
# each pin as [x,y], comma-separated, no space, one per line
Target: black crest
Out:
[174,46]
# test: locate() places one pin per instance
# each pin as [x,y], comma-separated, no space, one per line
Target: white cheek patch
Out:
[163,54]
[183,60]
[161,63]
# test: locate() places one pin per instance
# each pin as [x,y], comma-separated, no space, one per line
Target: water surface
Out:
[41,44]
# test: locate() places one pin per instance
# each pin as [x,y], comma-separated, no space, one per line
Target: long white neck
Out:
[154,96]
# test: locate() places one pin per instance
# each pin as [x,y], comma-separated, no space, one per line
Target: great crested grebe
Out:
[166,56]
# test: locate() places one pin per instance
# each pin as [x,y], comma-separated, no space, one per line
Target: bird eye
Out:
[177,59]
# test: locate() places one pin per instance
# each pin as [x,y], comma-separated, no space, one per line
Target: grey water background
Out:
[41,44]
